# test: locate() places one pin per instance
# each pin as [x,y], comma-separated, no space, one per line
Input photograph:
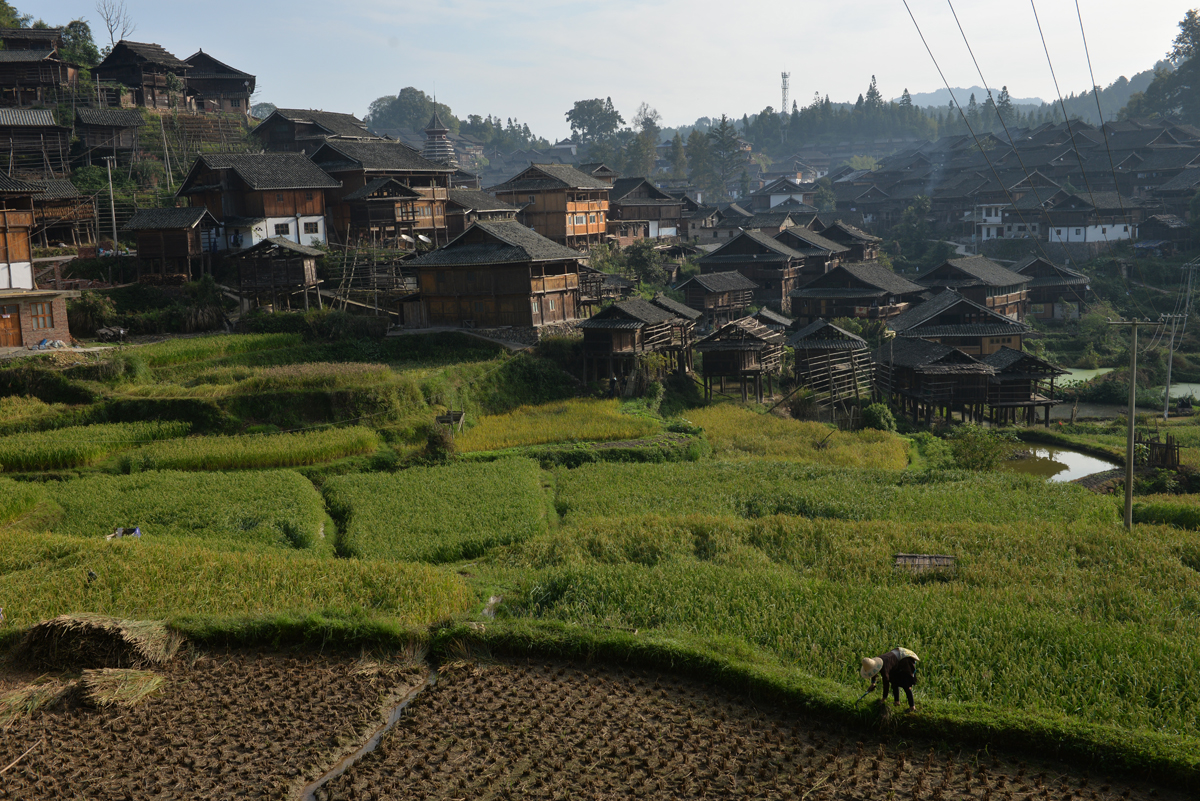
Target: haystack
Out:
[94,641]
[116,686]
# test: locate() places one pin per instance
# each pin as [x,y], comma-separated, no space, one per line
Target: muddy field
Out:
[228,725]
[555,731]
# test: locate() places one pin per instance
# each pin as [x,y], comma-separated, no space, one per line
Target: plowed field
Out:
[561,732]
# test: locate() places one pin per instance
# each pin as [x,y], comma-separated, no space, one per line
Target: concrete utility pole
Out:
[1133,325]
[112,204]
[1187,308]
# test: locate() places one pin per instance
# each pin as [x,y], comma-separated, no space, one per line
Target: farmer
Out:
[898,668]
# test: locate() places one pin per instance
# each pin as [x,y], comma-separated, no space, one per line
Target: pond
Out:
[1059,464]
[1077,375]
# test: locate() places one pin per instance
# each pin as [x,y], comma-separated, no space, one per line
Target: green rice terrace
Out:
[294,494]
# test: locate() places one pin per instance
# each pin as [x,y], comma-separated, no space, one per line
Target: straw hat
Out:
[871,665]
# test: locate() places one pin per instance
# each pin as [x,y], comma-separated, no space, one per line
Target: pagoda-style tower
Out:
[437,145]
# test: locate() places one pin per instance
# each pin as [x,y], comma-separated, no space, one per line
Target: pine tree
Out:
[678,158]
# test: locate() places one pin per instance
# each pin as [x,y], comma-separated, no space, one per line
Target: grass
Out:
[80,446]
[253,451]
[758,489]
[736,432]
[221,382]
[46,575]
[438,514]
[276,509]
[18,499]
[193,349]
[585,420]
[24,412]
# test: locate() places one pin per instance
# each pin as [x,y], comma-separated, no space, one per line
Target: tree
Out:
[593,120]
[677,157]
[11,18]
[874,100]
[78,47]
[973,113]
[726,153]
[906,99]
[700,162]
[1187,43]
[116,20]
[1175,89]
[825,199]
[647,120]
[644,262]
[411,109]
[1004,105]
[640,154]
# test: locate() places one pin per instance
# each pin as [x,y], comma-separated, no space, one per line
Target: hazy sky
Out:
[687,58]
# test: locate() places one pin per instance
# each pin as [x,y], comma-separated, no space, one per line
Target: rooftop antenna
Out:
[783,110]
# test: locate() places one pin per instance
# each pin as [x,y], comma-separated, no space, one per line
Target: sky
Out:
[687,58]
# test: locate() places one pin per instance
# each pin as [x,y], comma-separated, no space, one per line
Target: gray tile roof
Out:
[1006,358]
[27,117]
[731,281]
[336,123]
[110,117]
[929,357]
[153,53]
[13,186]
[374,156]
[773,247]
[496,242]
[623,186]
[642,311]
[56,189]
[478,201]
[980,269]
[24,56]
[876,276]
[769,317]
[744,334]
[917,316]
[276,243]
[1186,180]
[811,239]
[550,176]
[822,335]
[373,186]
[262,171]
[168,219]
[676,308]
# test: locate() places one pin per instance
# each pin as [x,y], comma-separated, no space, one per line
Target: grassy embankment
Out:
[768,566]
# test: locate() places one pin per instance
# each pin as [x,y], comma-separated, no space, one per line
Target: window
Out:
[1104,230]
[534,306]
[1058,232]
[580,219]
[1020,228]
[549,304]
[1078,232]
[591,218]
[311,228]
[43,315]
[308,196]
[479,307]
[283,229]
[532,198]
[1124,229]
[278,197]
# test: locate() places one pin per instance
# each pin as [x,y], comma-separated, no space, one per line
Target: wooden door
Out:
[10,327]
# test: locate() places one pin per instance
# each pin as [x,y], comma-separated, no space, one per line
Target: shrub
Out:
[879,416]
[979,448]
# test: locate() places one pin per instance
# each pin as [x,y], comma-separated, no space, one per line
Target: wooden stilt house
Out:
[614,338]
[744,350]
[684,337]
[832,362]
[277,269]
[170,242]
[1023,383]
[720,296]
[927,379]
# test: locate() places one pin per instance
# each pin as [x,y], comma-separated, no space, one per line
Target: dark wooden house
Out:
[465,206]
[924,379]
[773,319]
[1055,292]
[216,86]
[832,362]
[614,338]
[771,265]
[820,254]
[860,245]
[170,241]
[298,130]
[720,296]
[638,200]
[560,203]
[278,269]
[30,77]
[257,196]
[358,163]
[981,280]
[866,291]
[147,71]
[744,350]
[499,274]
[953,320]
[383,213]
[108,132]
[1023,383]
[32,145]
[62,214]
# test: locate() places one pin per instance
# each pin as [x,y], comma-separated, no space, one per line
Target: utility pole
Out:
[112,204]
[1187,308]
[1133,325]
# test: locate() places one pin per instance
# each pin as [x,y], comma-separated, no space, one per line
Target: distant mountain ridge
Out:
[942,97]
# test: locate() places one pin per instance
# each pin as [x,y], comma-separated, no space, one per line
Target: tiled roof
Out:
[45,34]
[56,189]
[552,176]
[1169,158]
[676,308]
[1188,179]
[110,117]
[811,239]
[929,357]
[744,334]
[917,316]
[13,186]
[850,231]
[271,170]
[27,117]
[24,56]
[775,250]
[167,219]
[980,268]
[731,281]
[766,219]
[822,335]
[769,317]
[734,210]
[502,241]
[1007,357]
[374,156]
[477,200]
[198,62]
[336,123]
[640,310]
[373,186]
[277,243]
[155,54]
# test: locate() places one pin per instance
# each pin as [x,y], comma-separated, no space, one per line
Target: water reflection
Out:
[1059,464]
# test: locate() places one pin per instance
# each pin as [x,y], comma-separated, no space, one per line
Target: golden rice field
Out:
[80,446]
[584,420]
[736,432]
[253,451]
